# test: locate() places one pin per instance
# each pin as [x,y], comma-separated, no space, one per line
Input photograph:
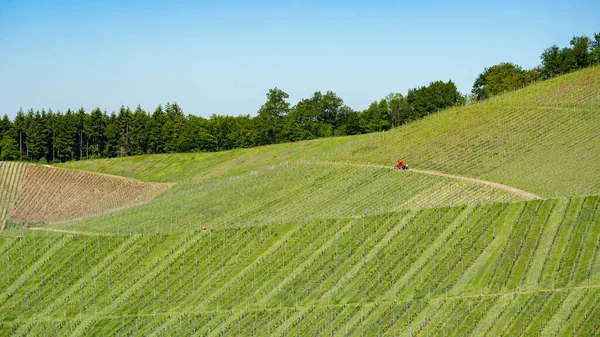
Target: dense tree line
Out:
[581,53]
[49,136]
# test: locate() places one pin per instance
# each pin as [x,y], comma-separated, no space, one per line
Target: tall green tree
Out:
[436,96]
[350,123]
[156,141]
[8,148]
[5,126]
[20,126]
[580,46]
[139,132]
[36,141]
[82,127]
[551,62]
[271,117]
[112,137]
[97,124]
[124,123]
[400,111]
[173,130]
[65,136]
[595,49]
[500,78]
[376,117]
[302,122]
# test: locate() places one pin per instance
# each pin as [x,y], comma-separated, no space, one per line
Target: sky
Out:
[221,57]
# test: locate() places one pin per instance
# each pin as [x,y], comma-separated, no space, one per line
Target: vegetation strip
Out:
[172,313]
[511,189]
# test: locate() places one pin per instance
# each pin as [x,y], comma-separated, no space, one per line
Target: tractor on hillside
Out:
[401,165]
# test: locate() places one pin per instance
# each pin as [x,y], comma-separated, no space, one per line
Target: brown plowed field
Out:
[11,174]
[51,195]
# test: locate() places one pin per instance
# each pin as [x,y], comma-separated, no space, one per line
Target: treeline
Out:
[582,52]
[49,136]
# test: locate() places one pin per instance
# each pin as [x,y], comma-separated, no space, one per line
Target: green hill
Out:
[494,231]
[441,271]
[541,139]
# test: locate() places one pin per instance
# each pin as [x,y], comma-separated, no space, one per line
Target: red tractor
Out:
[401,165]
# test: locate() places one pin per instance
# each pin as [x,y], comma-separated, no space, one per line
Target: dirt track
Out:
[441,174]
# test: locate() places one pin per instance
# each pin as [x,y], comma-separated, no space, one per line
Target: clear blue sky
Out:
[223,56]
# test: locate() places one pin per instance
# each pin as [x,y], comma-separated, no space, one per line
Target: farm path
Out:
[514,190]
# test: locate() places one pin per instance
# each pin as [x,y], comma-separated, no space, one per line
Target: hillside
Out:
[39,194]
[290,193]
[494,231]
[449,270]
[540,139]
[10,185]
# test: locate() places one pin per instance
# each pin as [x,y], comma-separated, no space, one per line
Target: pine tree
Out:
[20,127]
[96,133]
[124,122]
[82,131]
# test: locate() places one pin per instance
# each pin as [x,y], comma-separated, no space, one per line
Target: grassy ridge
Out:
[526,139]
[299,246]
[542,139]
[293,192]
[461,265]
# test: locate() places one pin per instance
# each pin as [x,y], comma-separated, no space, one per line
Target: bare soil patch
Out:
[51,195]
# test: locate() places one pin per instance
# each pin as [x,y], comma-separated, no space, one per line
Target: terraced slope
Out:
[542,139]
[53,195]
[315,238]
[525,268]
[11,174]
[290,193]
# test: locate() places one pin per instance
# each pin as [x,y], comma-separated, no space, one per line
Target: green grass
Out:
[320,273]
[300,243]
[542,139]
[285,193]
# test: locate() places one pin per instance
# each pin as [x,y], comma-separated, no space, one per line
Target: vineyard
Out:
[50,195]
[11,175]
[493,231]
[290,193]
[539,139]
[446,270]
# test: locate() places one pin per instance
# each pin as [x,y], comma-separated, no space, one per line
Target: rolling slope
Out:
[541,139]
[291,193]
[495,233]
[448,270]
